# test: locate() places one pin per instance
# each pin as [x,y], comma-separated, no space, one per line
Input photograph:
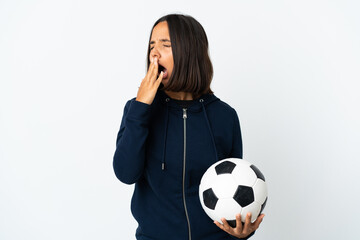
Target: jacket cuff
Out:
[139,111]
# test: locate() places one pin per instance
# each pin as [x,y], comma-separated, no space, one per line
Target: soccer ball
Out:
[233,186]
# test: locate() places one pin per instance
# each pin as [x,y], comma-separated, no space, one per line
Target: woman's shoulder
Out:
[220,105]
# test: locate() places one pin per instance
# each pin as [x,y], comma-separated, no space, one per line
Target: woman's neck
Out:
[180,95]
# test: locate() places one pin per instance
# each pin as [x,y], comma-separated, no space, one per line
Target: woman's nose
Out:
[155,53]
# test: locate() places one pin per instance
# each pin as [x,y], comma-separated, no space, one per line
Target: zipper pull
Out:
[184,113]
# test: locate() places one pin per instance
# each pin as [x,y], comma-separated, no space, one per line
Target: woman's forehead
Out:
[160,32]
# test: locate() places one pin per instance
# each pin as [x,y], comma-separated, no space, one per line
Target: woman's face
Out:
[160,48]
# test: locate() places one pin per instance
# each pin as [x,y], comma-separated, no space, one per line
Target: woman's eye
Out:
[151,48]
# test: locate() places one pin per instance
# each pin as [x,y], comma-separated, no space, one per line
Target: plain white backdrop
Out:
[67,68]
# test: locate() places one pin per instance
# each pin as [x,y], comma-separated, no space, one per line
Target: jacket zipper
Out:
[184,165]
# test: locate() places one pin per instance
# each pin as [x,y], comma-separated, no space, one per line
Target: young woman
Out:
[172,132]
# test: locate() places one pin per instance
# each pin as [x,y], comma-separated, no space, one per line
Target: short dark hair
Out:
[193,70]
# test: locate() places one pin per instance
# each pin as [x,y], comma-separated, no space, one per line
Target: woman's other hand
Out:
[241,230]
[150,83]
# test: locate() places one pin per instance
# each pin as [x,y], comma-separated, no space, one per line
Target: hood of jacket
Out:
[196,106]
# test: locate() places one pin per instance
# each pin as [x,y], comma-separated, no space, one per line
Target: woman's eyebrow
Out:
[161,40]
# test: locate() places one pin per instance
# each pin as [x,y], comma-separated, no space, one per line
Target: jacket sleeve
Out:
[237,147]
[129,157]
[237,152]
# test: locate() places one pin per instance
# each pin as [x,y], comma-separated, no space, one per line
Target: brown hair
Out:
[193,70]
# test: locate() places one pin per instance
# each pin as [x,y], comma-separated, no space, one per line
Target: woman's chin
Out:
[165,81]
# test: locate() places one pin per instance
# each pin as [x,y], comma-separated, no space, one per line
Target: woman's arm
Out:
[237,146]
[129,157]
[247,229]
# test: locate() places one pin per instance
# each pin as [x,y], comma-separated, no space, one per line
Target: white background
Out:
[67,68]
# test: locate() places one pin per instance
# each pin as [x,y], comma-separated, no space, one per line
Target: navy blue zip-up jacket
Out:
[165,149]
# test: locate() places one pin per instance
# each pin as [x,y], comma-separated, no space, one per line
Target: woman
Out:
[172,132]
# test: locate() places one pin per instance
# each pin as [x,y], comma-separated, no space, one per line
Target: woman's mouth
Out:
[164,70]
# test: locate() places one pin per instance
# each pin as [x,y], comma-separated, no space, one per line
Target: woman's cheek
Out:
[165,81]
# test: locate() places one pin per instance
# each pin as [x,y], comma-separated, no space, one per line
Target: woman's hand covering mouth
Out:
[164,70]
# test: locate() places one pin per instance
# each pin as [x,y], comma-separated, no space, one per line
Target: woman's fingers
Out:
[239,224]
[258,221]
[158,81]
[226,225]
[241,230]
[150,84]
[247,223]
[149,72]
[152,73]
[219,225]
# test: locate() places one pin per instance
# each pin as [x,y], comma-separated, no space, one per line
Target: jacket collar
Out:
[196,106]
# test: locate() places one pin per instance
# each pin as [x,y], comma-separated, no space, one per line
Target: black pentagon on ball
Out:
[263,206]
[210,199]
[232,223]
[244,195]
[257,172]
[225,167]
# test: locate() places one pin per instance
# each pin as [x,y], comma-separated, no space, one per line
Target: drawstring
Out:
[208,124]
[166,129]
[165,134]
